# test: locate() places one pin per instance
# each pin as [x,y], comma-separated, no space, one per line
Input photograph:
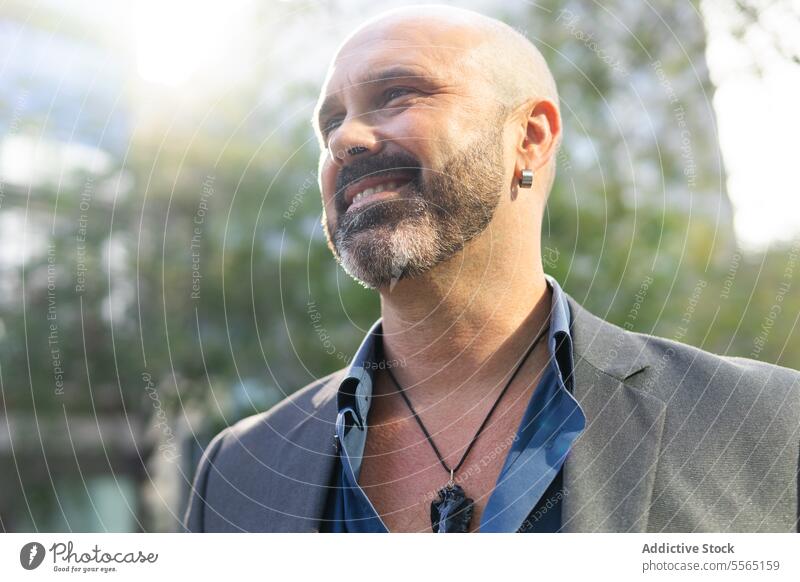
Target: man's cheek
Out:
[327,188]
[329,223]
[325,177]
[331,213]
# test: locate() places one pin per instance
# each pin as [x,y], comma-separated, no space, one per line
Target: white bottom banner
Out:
[407,557]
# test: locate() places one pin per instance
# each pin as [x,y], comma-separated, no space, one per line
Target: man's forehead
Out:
[435,49]
[381,55]
[362,74]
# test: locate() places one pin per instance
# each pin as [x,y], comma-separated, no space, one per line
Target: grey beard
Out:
[405,237]
[381,256]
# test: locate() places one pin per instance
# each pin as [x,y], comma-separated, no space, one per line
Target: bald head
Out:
[483,47]
[489,53]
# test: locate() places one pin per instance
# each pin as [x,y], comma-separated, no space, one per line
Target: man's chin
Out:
[378,257]
[368,231]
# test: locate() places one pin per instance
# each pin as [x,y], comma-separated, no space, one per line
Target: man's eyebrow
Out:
[374,77]
[396,72]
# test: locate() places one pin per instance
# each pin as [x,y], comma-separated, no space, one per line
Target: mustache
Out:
[372,166]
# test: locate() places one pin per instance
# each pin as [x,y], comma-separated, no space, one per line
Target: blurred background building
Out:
[163,271]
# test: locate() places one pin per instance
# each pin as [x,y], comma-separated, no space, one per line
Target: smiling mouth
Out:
[371,194]
[374,188]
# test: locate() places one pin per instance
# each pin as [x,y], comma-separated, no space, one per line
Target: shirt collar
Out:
[355,390]
[560,336]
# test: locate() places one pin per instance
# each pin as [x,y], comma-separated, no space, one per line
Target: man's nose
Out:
[354,138]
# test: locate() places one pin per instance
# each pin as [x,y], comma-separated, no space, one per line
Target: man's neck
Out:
[466,321]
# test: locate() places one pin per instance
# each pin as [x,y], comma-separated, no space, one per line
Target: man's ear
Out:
[541,131]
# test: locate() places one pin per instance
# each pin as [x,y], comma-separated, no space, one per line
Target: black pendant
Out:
[452,512]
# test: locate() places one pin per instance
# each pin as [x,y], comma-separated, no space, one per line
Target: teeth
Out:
[376,190]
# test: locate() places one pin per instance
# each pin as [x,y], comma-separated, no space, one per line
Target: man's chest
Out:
[402,475]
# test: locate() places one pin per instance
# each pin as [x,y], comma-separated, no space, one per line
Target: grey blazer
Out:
[677,440]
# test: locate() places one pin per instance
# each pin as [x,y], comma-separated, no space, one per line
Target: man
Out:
[485,398]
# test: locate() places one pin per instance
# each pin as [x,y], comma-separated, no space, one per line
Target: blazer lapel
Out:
[303,504]
[609,474]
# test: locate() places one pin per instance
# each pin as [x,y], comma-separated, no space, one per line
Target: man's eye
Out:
[396,92]
[331,125]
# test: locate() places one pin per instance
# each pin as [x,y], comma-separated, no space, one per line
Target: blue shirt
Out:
[529,489]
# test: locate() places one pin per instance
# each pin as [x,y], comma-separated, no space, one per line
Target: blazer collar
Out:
[610,472]
[605,346]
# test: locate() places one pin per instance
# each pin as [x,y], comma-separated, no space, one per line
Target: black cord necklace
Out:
[452,511]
